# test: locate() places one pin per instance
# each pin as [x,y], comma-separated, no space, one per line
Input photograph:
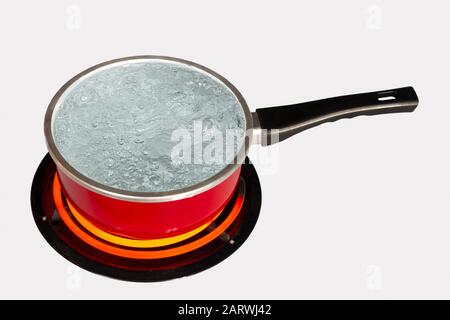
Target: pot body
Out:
[116,211]
[150,220]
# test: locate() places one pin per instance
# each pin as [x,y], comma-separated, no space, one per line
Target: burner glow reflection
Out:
[136,243]
[142,254]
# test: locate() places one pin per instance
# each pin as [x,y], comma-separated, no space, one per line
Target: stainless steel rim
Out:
[105,190]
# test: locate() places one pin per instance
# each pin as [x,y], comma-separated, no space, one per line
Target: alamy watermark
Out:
[73,280]
[373,280]
[203,145]
[373,21]
[73,19]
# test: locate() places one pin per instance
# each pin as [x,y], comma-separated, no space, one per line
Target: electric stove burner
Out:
[142,260]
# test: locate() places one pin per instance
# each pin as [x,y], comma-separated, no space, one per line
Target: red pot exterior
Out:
[150,220]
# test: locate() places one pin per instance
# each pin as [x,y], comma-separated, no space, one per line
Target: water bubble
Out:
[178,96]
[110,162]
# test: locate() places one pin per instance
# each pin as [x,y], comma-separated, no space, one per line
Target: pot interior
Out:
[149,125]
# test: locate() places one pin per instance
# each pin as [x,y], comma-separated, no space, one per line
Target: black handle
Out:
[292,119]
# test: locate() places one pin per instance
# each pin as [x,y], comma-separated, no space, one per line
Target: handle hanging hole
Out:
[387,98]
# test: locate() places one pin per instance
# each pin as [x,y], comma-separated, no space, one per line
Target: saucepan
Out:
[167,213]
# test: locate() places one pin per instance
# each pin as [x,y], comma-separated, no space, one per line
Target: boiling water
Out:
[122,125]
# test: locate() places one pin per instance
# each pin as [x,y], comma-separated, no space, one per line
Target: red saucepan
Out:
[153,215]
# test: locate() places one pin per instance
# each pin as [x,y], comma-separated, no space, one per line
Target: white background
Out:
[356,209]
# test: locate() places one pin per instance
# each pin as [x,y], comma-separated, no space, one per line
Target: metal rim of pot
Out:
[149,197]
